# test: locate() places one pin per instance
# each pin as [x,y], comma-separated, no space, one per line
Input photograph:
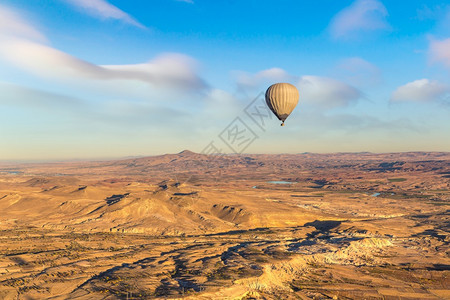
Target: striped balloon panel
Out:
[282,98]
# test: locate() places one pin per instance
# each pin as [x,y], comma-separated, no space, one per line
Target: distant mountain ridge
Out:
[193,192]
[188,165]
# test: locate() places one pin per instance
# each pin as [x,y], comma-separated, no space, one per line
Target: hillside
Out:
[350,225]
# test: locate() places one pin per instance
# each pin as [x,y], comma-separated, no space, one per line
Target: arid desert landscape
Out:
[195,226]
[317,161]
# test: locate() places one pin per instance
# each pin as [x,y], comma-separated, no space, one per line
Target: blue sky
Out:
[83,79]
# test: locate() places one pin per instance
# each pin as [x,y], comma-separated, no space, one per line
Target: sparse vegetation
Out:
[396,179]
[339,241]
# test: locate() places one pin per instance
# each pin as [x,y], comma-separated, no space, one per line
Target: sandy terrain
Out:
[187,225]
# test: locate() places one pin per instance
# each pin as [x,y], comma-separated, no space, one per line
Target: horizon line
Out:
[118,158]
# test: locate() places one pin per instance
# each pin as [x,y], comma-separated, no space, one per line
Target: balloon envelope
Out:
[282,98]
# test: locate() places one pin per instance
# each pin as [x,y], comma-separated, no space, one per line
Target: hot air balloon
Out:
[282,98]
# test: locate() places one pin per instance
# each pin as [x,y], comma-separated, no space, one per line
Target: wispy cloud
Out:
[358,72]
[422,90]
[19,48]
[104,10]
[439,14]
[439,51]
[167,70]
[247,80]
[432,12]
[186,1]
[113,112]
[327,92]
[352,123]
[13,25]
[317,91]
[361,16]
[17,95]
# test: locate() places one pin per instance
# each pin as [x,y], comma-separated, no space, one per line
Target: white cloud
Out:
[11,24]
[247,80]
[112,112]
[317,91]
[326,92]
[186,1]
[167,70]
[221,104]
[361,16]
[358,72]
[18,47]
[422,90]
[440,51]
[104,10]
[16,95]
